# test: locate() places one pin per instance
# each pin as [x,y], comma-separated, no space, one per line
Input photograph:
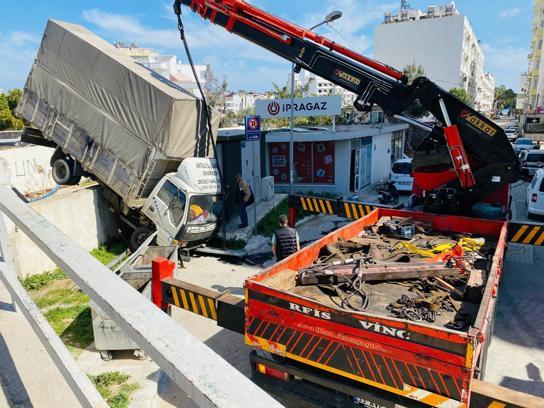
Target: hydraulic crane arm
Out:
[469,154]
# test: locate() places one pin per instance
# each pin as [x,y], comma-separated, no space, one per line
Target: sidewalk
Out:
[28,375]
[262,208]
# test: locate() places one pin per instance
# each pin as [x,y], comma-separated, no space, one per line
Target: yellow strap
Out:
[468,244]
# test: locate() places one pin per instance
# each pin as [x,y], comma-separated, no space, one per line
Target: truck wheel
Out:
[138,237]
[66,171]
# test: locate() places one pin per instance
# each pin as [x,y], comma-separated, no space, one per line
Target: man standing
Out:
[285,240]
[244,198]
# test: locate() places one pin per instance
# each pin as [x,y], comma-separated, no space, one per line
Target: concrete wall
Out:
[29,169]
[81,213]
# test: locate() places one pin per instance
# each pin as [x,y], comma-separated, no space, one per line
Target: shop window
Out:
[313,161]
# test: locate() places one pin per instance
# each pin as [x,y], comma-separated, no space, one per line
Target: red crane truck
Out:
[464,160]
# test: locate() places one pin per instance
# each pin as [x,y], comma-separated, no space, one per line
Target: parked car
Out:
[401,175]
[535,195]
[525,144]
[511,133]
[531,160]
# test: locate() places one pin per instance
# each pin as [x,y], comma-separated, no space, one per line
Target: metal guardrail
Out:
[202,374]
[79,383]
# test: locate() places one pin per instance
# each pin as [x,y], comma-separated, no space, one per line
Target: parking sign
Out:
[253,127]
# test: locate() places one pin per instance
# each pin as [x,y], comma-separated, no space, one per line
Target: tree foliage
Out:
[462,95]
[8,103]
[505,98]
[413,71]
[214,90]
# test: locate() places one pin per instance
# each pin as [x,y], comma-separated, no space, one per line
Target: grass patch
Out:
[73,324]
[64,305]
[63,296]
[114,387]
[107,253]
[269,224]
[36,282]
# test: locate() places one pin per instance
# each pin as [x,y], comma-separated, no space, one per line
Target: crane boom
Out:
[467,154]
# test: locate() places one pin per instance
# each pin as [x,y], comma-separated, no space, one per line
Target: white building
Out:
[339,162]
[443,42]
[242,101]
[485,96]
[535,73]
[321,87]
[522,101]
[167,66]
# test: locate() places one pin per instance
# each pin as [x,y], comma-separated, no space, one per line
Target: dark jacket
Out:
[286,242]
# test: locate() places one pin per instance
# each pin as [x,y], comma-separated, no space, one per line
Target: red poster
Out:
[323,164]
[279,162]
[303,162]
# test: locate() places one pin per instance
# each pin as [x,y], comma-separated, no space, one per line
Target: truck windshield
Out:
[204,209]
[175,200]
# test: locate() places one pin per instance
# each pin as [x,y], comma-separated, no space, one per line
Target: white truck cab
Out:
[186,206]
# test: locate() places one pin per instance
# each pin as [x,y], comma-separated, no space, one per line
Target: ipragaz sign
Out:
[314,106]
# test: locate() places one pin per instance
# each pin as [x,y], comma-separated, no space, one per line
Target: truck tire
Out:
[66,171]
[138,237]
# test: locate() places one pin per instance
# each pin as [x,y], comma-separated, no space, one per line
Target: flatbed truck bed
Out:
[509,355]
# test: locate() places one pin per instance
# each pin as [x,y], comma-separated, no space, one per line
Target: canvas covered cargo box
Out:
[428,362]
[123,122]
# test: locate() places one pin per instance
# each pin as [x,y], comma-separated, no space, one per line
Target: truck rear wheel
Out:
[66,171]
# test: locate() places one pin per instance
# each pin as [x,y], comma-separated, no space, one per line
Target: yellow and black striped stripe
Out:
[529,234]
[354,210]
[347,209]
[194,300]
[318,205]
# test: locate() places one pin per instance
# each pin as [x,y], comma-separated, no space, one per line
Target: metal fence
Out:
[202,374]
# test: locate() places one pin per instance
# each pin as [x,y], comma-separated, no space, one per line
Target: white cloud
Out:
[356,16]
[506,63]
[17,52]
[509,12]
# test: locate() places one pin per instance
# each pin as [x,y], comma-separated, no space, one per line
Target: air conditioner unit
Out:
[267,188]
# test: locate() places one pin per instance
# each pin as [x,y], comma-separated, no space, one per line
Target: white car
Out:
[531,161]
[511,133]
[535,195]
[401,175]
[525,144]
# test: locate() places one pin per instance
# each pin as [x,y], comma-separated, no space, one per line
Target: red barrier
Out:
[161,268]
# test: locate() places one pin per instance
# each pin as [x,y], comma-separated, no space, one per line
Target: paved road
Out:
[516,354]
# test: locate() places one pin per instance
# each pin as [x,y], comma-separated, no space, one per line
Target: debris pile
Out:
[404,268]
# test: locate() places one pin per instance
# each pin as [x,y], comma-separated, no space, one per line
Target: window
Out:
[397,145]
[314,162]
[535,157]
[541,189]
[402,168]
[174,199]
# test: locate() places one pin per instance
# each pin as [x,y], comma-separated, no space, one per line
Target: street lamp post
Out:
[335,15]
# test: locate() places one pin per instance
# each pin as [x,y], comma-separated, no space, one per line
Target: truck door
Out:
[167,209]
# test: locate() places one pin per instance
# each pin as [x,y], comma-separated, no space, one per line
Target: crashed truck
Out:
[143,138]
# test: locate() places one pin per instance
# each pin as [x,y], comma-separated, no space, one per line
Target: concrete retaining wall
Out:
[81,213]
[28,168]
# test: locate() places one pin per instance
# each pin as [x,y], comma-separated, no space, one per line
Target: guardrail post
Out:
[161,268]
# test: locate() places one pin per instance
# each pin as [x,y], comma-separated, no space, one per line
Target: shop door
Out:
[355,175]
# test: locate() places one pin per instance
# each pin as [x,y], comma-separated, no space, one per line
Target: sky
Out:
[503,26]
